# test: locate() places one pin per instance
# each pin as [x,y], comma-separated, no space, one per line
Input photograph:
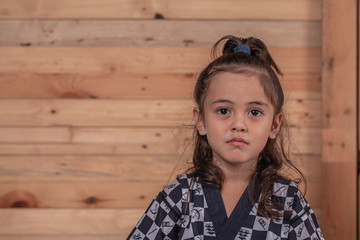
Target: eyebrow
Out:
[222,101]
[260,103]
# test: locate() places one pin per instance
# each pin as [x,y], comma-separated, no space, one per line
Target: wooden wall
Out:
[95,103]
[340,139]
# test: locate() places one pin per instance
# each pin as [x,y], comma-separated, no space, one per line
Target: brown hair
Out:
[275,155]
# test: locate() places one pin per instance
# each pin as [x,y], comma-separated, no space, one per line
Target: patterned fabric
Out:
[187,209]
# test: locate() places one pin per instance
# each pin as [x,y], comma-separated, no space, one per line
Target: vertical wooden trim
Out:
[358,122]
[339,92]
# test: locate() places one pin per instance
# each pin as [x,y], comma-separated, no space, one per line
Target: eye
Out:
[255,112]
[223,111]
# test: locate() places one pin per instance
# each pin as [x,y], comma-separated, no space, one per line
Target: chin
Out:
[236,161]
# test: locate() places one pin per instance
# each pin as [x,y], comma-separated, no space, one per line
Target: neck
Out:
[237,174]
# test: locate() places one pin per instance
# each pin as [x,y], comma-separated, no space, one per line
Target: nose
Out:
[239,124]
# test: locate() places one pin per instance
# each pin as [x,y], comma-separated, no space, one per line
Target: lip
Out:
[237,142]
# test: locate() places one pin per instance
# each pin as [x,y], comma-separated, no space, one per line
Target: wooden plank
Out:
[140,9]
[54,222]
[106,60]
[35,135]
[127,113]
[97,194]
[120,140]
[118,85]
[358,130]
[300,86]
[309,165]
[79,194]
[318,214]
[77,149]
[301,112]
[68,221]
[29,85]
[154,168]
[154,33]
[339,202]
[313,193]
[106,140]
[88,237]
[306,141]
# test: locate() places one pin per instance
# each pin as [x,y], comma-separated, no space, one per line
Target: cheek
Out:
[262,133]
[214,132]
[263,141]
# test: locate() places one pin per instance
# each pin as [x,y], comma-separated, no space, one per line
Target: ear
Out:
[199,121]
[275,128]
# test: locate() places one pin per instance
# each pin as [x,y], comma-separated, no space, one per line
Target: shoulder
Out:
[174,191]
[181,181]
[302,220]
[284,187]
[290,197]
[161,219]
[286,194]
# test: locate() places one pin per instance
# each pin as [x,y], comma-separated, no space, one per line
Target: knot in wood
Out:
[91,200]
[19,199]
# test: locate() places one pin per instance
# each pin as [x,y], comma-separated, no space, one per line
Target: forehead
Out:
[236,86]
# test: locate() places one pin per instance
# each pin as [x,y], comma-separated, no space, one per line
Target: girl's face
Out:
[238,119]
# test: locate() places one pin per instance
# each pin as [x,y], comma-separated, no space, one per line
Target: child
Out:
[234,189]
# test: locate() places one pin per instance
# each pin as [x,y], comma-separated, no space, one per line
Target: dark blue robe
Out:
[187,209]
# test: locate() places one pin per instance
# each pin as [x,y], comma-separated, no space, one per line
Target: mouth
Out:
[237,142]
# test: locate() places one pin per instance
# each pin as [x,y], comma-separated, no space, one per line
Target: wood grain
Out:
[55,140]
[142,9]
[69,149]
[140,168]
[135,86]
[152,168]
[98,194]
[116,140]
[127,113]
[95,103]
[106,60]
[68,221]
[54,222]
[155,33]
[340,111]
[358,123]
[80,194]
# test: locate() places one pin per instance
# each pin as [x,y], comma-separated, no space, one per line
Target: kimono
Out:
[187,209]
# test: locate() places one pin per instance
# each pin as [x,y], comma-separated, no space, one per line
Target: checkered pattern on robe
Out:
[165,218]
[300,224]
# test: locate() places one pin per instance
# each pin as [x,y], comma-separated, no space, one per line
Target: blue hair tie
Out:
[242,48]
